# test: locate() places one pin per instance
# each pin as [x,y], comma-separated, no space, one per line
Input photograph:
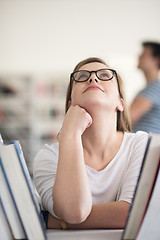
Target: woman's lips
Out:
[93,88]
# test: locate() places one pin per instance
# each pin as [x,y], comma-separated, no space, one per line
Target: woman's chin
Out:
[94,104]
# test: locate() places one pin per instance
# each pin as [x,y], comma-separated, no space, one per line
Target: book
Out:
[22,193]
[145,186]
[11,212]
[4,227]
[9,207]
[150,228]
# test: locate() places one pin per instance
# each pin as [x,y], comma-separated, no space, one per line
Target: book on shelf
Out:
[18,194]
[146,186]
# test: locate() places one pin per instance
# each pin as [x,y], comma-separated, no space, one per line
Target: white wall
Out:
[53,35]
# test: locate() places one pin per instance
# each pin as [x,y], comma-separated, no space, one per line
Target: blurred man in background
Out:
[145,109]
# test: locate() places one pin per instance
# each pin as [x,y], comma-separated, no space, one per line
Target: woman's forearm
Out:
[107,215]
[71,192]
[103,216]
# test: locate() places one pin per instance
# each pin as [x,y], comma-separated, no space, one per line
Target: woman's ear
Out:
[120,107]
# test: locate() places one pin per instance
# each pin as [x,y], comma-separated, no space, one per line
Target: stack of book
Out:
[21,218]
[144,215]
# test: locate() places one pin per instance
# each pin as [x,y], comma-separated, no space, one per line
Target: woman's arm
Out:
[107,215]
[71,192]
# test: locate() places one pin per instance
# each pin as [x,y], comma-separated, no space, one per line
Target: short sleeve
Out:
[44,173]
[130,177]
[152,92]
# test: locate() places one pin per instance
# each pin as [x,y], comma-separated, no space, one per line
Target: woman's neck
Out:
[100,134]
[101,142]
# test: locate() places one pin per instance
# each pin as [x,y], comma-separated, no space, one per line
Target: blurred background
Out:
[40,44]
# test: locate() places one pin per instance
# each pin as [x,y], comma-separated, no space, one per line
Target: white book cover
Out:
[5,232]
[150,228]
[21,190]
[10,210]
[9,207]
[143,191]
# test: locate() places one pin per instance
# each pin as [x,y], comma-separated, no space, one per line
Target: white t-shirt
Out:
[116,182]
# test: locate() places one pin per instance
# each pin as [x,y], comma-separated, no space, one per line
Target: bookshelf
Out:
[31,110]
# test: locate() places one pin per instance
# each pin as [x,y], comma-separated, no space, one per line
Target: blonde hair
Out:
[123,120]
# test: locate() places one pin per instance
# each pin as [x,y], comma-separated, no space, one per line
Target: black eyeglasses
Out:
[105,74]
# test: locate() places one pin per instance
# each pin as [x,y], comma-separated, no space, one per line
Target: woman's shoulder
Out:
[134,146]
[48,151]
[54,147]
[136,136]
[137,139]
[46,159]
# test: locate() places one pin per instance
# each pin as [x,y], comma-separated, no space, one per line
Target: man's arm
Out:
[107,215]
[140,106]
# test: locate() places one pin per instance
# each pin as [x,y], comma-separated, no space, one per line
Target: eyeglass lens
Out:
[102,74]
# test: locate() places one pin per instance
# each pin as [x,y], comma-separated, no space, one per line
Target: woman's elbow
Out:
[76,216]
[73,215]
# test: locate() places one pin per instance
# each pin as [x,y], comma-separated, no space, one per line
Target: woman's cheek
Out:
[74,100]
[75,95]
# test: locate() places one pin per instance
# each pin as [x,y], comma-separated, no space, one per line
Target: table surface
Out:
[95,234]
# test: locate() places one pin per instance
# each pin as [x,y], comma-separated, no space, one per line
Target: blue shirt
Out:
[150,122]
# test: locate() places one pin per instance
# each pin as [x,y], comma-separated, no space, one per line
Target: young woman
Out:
[87,179]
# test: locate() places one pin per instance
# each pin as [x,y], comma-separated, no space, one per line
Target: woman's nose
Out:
[93,78]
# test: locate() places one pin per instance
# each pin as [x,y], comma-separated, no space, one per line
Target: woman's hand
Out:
[77,119]
[53,222]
